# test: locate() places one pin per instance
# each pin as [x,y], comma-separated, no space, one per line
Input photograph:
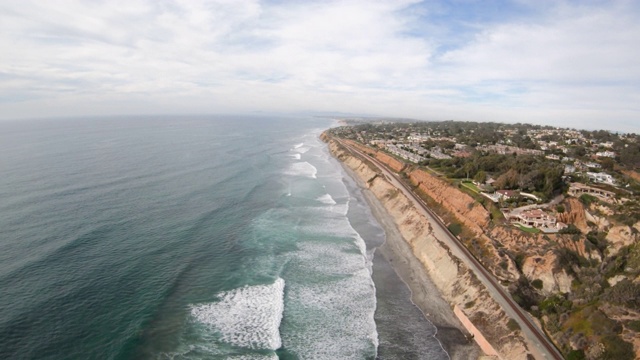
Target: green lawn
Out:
[471,186]
[527,229]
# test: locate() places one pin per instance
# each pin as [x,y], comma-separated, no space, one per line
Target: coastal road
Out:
[538,342]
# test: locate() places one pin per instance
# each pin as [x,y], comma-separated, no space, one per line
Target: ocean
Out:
[192,237]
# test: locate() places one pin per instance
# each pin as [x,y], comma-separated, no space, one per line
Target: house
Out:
[577,189]
[418,137]
[609,154]
[536,218]
[592,165]
[601,177]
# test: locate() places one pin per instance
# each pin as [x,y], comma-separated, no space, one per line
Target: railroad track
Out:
[535,335]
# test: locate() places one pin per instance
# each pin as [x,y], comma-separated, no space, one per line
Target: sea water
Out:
[191,238]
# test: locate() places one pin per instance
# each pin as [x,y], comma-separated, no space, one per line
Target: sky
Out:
[563,63]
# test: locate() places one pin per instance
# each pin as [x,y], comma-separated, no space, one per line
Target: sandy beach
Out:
[424,294]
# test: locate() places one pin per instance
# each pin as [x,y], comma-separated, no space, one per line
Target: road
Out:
[538,342]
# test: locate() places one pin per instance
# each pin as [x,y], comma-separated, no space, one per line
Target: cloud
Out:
[433,60]
[579,59]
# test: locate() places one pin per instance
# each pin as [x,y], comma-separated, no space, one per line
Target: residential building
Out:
[577,189]
[536,218]
[609,154]
[601,177]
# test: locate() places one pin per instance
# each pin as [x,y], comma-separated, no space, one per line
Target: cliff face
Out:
[539,244]
[393,163]
[620,236]
[547,269]
[574,214]
[456,282]
[465,208]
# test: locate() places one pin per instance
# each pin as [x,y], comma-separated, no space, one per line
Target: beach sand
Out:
[424,293]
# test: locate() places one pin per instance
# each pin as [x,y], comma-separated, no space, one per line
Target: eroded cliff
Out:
[466,210]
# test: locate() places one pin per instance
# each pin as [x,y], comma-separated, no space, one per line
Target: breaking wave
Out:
[326,199]
[302,169]
[247,317]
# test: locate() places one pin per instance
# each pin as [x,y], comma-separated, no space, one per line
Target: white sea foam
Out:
[331,259]
[326,199]
[253,357]
[296,156]
[302,149]
[337,314]
[302,169]
[297,145]
[328,220]
[247,317]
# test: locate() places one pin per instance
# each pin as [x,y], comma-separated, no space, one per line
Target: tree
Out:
[508,180]
[607,164]
[578,151]
[630,155]
[480,176]
[537,283]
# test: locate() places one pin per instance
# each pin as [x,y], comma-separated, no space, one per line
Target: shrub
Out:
[455,228]
[597,238]
[537,283]
[634,325]
[624,293]
[617,349]
[517,299]
[560,209]
[554,304]
[519,260]
[576,355]
[567,258]
[571,229]
[513,325]
[587,199]
[469,304]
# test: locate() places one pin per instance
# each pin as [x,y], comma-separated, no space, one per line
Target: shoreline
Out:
[424,294]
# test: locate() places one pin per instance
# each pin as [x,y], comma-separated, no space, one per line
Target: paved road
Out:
[539,344]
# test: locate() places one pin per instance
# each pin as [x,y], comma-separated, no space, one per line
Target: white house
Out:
[609,154]
[601,177]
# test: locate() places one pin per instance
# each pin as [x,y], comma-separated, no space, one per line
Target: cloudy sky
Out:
[569,63]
